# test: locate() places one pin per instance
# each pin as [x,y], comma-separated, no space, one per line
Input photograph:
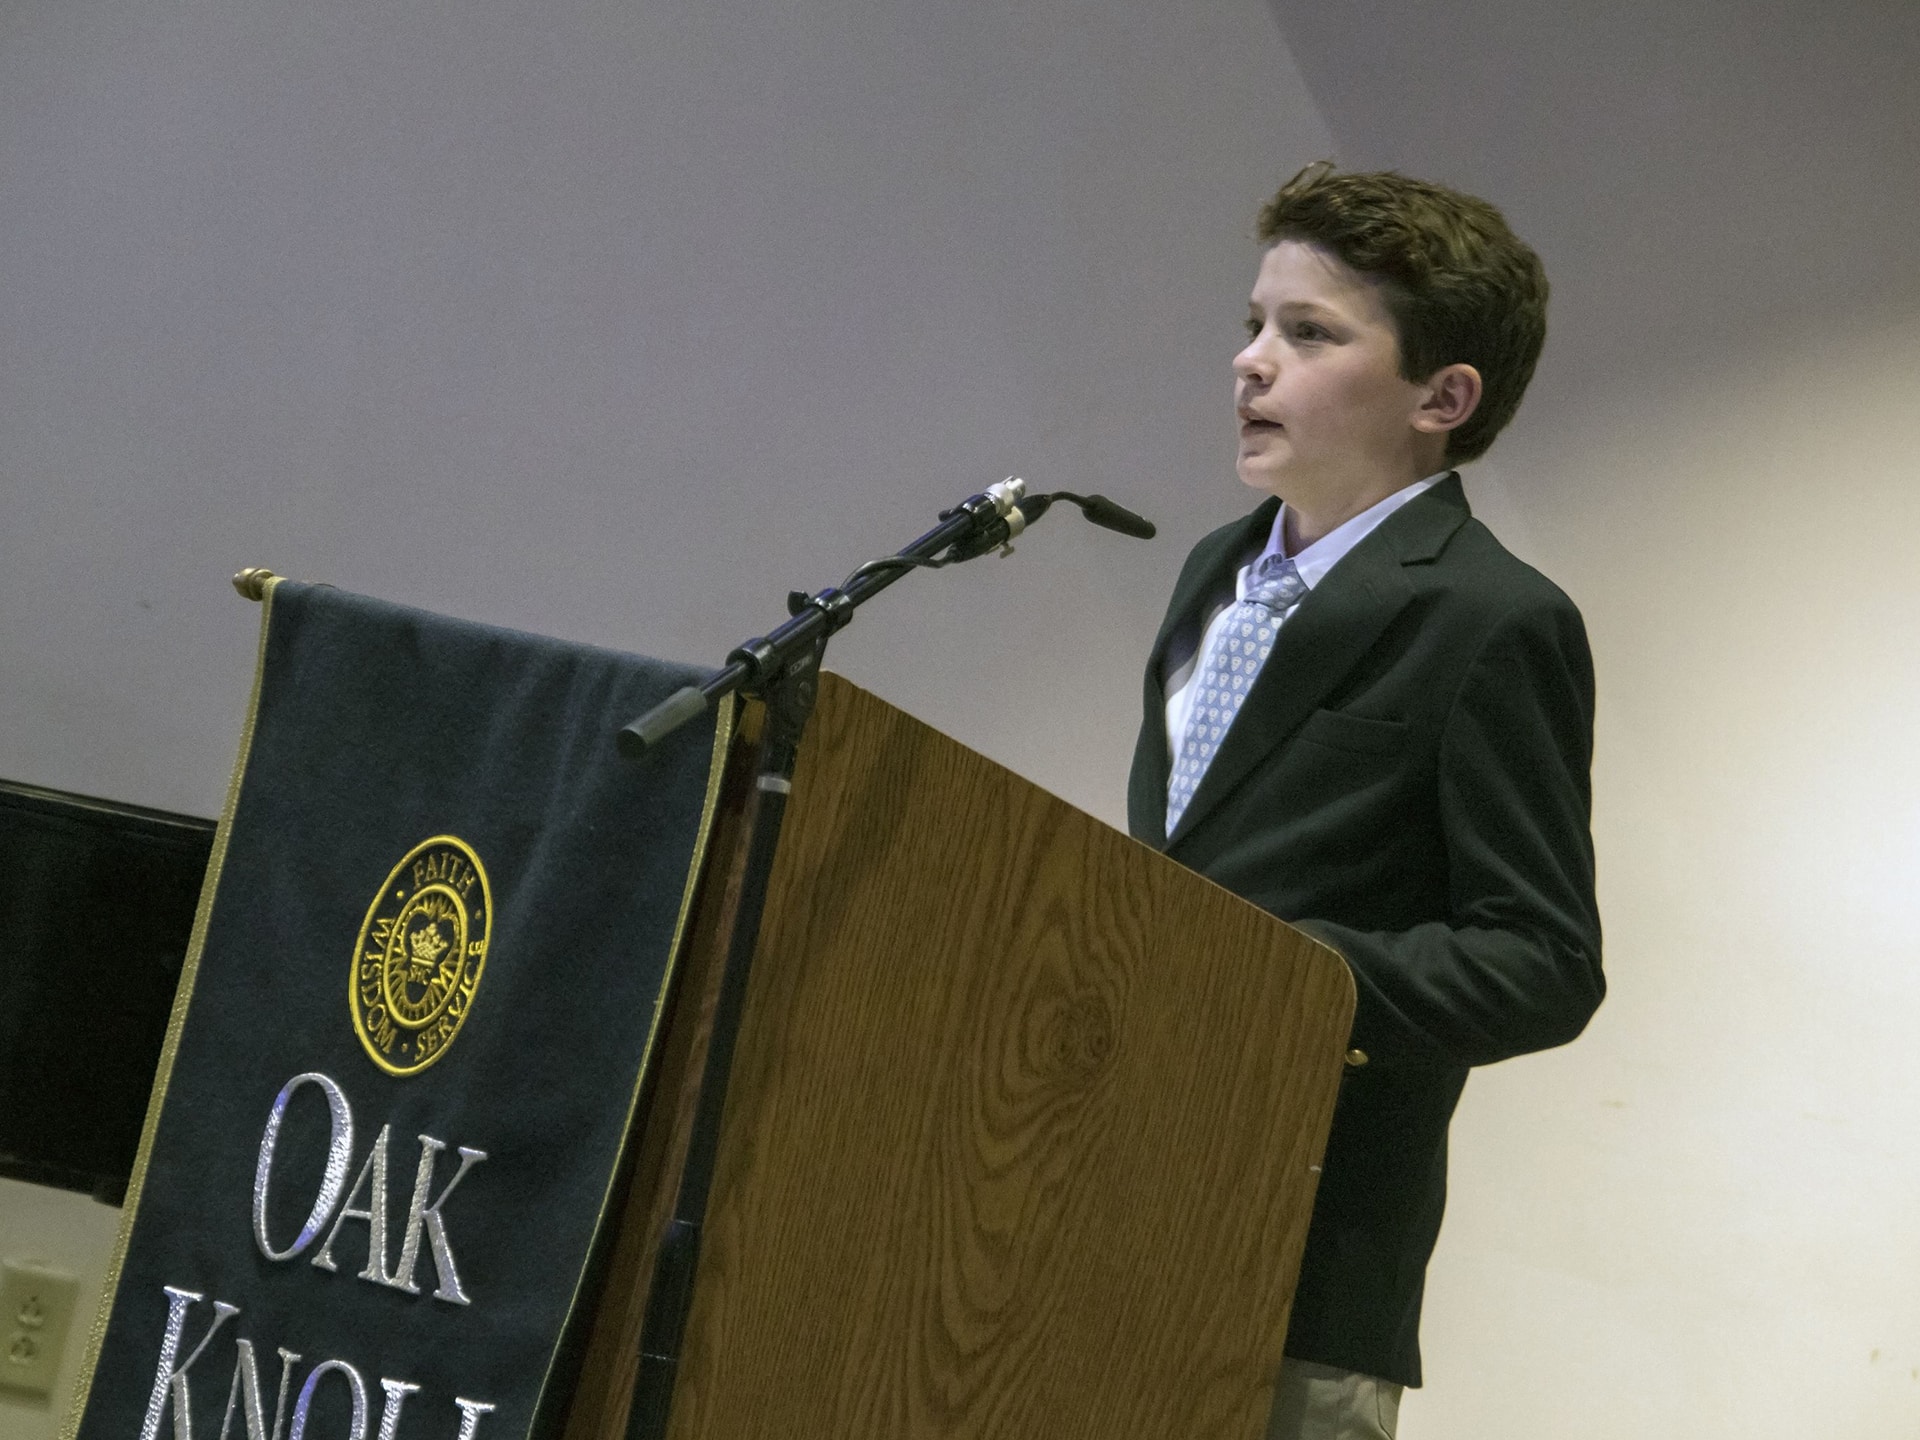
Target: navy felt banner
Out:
[428,968]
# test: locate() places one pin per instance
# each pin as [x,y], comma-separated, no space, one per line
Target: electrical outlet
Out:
[35,1308]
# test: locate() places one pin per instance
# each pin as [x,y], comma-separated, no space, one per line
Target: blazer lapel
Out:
[1336,624]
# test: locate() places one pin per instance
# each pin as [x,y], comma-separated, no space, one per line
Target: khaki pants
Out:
[1318,1402]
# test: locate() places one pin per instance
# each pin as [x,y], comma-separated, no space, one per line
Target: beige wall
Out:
[614,322]
[1699,1219]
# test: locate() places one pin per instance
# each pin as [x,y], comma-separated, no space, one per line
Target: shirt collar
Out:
[1322,555]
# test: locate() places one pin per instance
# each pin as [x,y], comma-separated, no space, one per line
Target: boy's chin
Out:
[1258,476]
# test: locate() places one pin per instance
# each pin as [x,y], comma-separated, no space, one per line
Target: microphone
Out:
[1109,515]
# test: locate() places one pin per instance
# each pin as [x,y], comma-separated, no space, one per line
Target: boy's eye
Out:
[1305,330]
[1253,326]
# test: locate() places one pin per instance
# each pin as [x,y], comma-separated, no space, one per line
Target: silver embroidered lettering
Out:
[470,1413]
[245,1392]
[373,1176]
[169,1380]
[339,1154]
[358,1430]
[397,1392]
[421,1215]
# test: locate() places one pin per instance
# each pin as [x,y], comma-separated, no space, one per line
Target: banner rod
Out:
[252,583]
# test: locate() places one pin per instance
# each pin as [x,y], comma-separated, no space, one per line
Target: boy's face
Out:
[1326,421]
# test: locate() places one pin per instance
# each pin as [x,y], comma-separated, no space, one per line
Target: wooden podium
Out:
[1024,1126]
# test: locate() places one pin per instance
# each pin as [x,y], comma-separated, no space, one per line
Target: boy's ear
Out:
[1451,395]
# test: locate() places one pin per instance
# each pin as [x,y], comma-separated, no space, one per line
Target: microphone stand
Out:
[783,669]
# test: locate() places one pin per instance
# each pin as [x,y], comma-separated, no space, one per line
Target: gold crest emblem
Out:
[421,951]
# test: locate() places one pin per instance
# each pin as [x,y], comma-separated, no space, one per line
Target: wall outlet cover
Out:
[36,1306]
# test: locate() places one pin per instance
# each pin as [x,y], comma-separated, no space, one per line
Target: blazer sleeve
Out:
[1516,965]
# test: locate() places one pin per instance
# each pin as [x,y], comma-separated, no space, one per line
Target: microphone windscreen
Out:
[1102,511]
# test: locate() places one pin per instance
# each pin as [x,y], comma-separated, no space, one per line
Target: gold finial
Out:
[252,582]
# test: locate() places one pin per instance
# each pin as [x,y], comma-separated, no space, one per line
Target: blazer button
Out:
[1356,1058]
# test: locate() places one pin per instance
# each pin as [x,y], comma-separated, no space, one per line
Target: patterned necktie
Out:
[1240,647]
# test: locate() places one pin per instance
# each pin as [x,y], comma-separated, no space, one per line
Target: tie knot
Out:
[1276,583]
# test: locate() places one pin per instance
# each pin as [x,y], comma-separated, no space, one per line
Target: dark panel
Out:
[96,906]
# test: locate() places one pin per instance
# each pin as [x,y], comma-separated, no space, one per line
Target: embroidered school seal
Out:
[421,951]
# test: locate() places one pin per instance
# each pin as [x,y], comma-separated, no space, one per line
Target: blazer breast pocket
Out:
[1355,734]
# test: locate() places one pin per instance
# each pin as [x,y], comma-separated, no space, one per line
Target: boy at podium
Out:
[1367,717]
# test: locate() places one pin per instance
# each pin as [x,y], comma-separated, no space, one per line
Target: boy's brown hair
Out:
[1462,288]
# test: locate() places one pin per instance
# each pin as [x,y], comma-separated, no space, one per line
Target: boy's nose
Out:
[1254,362]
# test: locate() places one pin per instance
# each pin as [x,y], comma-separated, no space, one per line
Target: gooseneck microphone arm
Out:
[983,522]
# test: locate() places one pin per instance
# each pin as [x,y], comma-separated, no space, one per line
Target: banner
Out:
[424,983]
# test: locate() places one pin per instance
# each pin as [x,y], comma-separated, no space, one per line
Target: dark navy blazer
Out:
[1408,782]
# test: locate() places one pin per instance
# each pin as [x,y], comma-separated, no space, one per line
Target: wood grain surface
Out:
[1023,1132]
